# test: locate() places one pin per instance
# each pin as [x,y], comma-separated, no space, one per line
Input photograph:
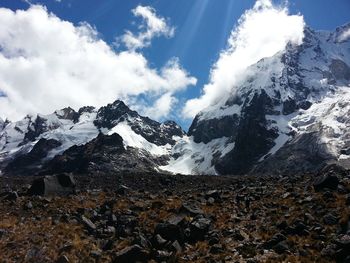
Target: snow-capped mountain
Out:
[289,113]
[35,140]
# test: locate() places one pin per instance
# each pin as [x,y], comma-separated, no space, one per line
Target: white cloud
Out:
[47,63]
[153,26]
[261,32]
[162,106]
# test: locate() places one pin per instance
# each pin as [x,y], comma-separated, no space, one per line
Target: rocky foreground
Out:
[164,218]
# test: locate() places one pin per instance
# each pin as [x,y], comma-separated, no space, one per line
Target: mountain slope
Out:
[27,145]
[260,122]
[289,113]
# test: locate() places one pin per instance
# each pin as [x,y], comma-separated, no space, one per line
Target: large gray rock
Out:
[61,184]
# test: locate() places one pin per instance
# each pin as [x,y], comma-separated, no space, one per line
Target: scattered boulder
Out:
[169,232]
[60,184]
[281,247]
[191,209]
[11,196]
[132,254]
[62,259]
[327,181]
[330,219]
[199,228]
[88,224]
[277,238]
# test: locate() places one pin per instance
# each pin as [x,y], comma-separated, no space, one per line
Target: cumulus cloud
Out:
[152,26]
[162,106]
[47,63]
[261,32]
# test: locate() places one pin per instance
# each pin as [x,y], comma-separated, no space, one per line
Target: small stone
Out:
[28,205]
[11,196]
[175,246]
[215,249]
[88,224]
[277,238]
[122,190]
[330,219]
[131,254]
[159,240]
[96,254]
[211,200]
[192,209]
[213,194]
[62,259]
[281,247]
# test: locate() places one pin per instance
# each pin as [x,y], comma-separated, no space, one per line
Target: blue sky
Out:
[202,26]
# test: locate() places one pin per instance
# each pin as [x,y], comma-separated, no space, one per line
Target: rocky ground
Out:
[165,218]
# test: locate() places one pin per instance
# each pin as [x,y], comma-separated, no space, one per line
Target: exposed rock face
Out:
[31,160]
[213,129]
[305,153]
[286,116]
[27,145]
[253,139]
[154,132]
[104,154]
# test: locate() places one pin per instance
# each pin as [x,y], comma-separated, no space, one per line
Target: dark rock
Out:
[131,254]
[159,241]
[30,162]
[277,238]
[343,242]
[205,131]
[213,194]
[163,256]
[107,245]
[327,181]
[191,209]
[289,106]
[28,205]
[61,184]
[88,224]
[252,136]
[96,254]
[178,219]
[330,219]
[169,232]
[216,249]
[11,196]
[329,251]
[176,247]
[122,190]
[281,247]
[142,241]
[199,228]
[62,259]
[213,241]
[2,232]
[247,250]
[104,154]
[298,228]
[126,225]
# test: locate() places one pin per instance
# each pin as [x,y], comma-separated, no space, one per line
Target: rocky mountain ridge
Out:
[89,136]
[289,114]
